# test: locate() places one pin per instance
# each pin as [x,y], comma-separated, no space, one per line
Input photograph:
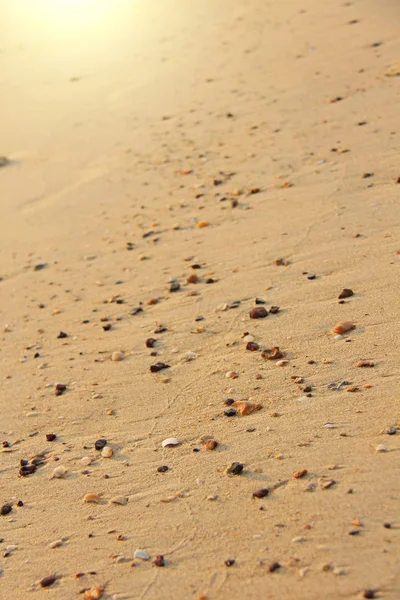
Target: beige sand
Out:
[104,107]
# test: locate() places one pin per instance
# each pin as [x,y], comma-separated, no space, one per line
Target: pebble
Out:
[281,363]
[94,593]
[369,594]
[365,363]
[122,500]
[141,554]
[300,473]
[299,539]
[48,581]
[248,339]
[211,444]
[56,544]
[159,561]
[229,562]
[99,444]
[339,571]
[158,367]
[259,312]
[169,442]
[231,412]
[175,286]
[235,468]
[381,448]
[274,567]
[310,487]
[117,356]
[50,437]
[246,408]
[5,509]
[343,327]
[107,452]
[59,472]
[231,375]
[85,461]
[91,498]
[162,469]
[261,493]
[345,293]
[338,337]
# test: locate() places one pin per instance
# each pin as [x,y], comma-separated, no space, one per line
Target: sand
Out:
[127,125]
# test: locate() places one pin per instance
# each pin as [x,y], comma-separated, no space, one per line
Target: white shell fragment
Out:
[59,472]
[169,442]
[141,554]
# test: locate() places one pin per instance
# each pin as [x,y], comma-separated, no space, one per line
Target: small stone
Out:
[300,473]
[94,593]
[170,442]
[235,468]
[48,581]
[175,286]
[85,461]
[298,540]
[259,312]
[343,327]
[252,346]
[117,356]
[339,571]
[162,469]
[91,498]
[311,276]
[150,342]
[261,493]
[122,500]
[391,430]
[211,444]
[247,339]
[159,561]
[274,567]
[56,544]
[345,293]
[281,363]
[229,562]
[381,448]
[326,484]
[59,472]
[141,554]
[50,437]
[99,444]
[246,408]
[60,389]
[5,509]
[193,278]
[62,335]
[231,375]
[365,363]
[159,367]
[107,452]
[231,412]
[310,487]
[369,594]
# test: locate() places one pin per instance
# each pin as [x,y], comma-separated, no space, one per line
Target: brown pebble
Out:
[252,346]
[258,312]
[274,567]
[365,363]
[158,367]
[50,437]
[369,594]
[280,262]
[48,581]
[150,342]
[272,354]
[159,561]
[261,493]
[60,389]
[193,278]
[343,327]
[300,473]
[211,444]
[345,293]
[117,356]
[94,593]
[246,408]
[91,498]
[5,509]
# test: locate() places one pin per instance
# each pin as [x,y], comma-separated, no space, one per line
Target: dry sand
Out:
[126,124]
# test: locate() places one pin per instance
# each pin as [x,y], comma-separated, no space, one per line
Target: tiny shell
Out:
[247,339]
[119,500]
[93,594]
[141,554]
[117,356]
[59,472]
[107,452]
[170,442]
[246,408]
[91,498]
[343,327]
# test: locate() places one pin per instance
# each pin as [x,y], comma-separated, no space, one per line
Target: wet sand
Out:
[254,145]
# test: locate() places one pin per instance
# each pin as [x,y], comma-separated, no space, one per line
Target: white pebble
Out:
[381,448]
[222,307]
[11,548]
[191,356]
[247,339]
[59,472]
[303,399]
[281,363]
[107,452]
[338,337]
[170,442]
[141,554]
[117,356]
[86,460]
[339,571]
[310,487]
[56,544]
[298,539]
[231,375]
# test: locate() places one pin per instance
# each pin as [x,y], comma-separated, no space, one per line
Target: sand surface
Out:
[128,124]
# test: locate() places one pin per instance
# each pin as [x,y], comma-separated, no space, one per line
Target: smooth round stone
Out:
[141,554]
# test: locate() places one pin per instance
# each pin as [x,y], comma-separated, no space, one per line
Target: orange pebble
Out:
[201,224]
[343,327]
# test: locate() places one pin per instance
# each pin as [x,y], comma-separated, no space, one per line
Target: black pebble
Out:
[162,469]
[236,468]
[229,562]
[150,342]
[99,444]
[311,276]
[47,581]
[60,389]
[274,567]
[5,509]
[260,301]
[62,335]
[387,525]
[107,327]
[27,470]
[158,367]
[175,286]
[50,437]
[20,503]
[231,412]
[369,594]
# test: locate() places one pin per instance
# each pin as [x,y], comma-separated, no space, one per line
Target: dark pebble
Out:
[107,327]
[387,525]
[354,532]
[229,562]
[50,437]
[235,304]
[175,286]
[150,342]
[27,470]
[308,388]
[231,412]
[261,493]
[5,444]
[258,313]
[162,469]
[159,561]
[229,401]
[311,362]
[40,266]
[36,355]
[23,462]
[311,276]
[20,503]
[252,346]
[345,293]
[5,509]
[199,318]
[235,468]
[160,329]
[260,301]
[274,567]
[391,430]
[60,389]
[158,367]
[99,444]
[62,335]
[369,594]
[47,581]
[274,310]
[196,449]
[366,175]
[210,280]
[137,310]
[196,266]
